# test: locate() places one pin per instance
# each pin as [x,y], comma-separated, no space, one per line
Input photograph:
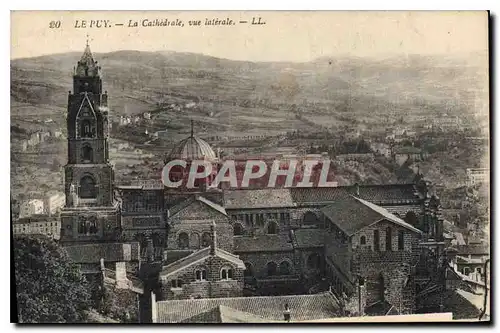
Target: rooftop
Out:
[263,243]
[296,196]
[92,253]
[224,314]
[461,303]
[354,214]
[306,238]
[188,201]
[249,309]
[258,198]
[197,257]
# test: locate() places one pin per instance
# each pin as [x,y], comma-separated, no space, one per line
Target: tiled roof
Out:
[382,308]
[302,307]
[223,314]
[180,206]
[354,214]
[476,249]
[92,253]
[303,238]
[263,243]
[388,216]
[455,301]
[321,194]
[257,198]
[200,256]
[215,206]
[174,255]
[375,193]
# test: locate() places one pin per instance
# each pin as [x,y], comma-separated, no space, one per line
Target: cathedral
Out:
[362,242]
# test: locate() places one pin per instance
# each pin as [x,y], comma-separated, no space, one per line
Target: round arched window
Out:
[285,268]
[238,229]
[183,240]
[271,268]
[314,261]
[248,269]
[88,189]
[272,228]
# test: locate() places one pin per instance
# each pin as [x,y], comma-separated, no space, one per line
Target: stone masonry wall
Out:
[213,287]
[259,261]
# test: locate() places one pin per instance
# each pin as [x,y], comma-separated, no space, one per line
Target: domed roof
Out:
[192,148]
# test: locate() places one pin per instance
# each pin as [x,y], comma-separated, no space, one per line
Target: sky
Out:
[286,36]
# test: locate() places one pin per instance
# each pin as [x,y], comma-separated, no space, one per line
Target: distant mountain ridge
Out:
[138,80]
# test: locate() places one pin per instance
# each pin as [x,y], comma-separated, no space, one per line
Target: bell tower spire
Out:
[91,211]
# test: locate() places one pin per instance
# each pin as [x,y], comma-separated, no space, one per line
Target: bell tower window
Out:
[87,226]
[87,128]
[88,189]
[87,154]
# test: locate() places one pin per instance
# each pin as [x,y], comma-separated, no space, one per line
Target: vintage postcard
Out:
[250,167]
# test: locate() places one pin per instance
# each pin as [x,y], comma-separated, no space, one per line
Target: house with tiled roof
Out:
[207,273]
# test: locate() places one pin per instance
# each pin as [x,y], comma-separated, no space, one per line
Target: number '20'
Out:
[54,24]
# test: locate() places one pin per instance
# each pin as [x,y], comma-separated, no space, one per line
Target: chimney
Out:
[213,245]
[286,313]
[103,272]
[121,275]
[154,313]
[150,250]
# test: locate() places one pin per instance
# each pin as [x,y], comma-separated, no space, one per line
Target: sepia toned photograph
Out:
[187,167]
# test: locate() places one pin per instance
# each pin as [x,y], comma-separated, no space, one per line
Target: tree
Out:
[49,288]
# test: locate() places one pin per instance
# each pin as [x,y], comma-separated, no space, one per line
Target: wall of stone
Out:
[387,273]
[108,223]
[213,287]
[305,270]
[366,253]
[195,232]
[195,220]
[259,261]
[296,216]
[339,252]
[76,148]
[103,176]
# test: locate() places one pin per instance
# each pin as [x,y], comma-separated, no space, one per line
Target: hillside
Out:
[246,97]
[242,98]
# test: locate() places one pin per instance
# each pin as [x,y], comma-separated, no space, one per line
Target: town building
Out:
[47,225]
[31,207]
[407,153]
[477,176]
[53,202]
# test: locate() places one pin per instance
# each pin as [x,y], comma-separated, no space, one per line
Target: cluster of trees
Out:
[342,147]
[49,288]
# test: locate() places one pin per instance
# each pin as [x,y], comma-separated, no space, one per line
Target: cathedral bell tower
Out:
[91,212]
